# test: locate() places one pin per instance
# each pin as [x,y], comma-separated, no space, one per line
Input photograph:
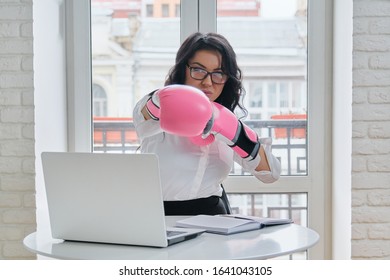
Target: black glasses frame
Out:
[207,73]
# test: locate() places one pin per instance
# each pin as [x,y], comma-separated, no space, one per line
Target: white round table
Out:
[265,243]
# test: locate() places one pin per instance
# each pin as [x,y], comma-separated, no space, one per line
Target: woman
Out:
[192,173]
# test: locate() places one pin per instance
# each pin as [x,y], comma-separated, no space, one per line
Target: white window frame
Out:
[78,74]
[319,181]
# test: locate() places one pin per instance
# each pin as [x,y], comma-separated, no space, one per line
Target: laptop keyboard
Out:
[171,233]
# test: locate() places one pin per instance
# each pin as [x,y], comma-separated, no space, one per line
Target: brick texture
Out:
[371,130]
[17,157]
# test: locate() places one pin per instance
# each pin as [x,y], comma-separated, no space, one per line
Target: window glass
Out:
[269,38]
[134,43]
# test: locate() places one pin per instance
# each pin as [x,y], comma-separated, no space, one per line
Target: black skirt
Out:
[212,205]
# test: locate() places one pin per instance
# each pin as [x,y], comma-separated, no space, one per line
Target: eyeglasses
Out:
[199,74]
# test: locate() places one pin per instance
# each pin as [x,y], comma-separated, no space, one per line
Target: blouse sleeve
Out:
[264,176]
[144,128]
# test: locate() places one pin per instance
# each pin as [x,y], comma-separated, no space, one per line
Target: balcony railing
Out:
[289,140]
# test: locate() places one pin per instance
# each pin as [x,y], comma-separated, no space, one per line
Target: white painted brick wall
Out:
[371,130]
[17,170]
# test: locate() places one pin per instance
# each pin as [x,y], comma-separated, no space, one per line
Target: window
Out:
[256,96]
[269,47]
[165,10]
[99,101]
[149,10]
[177,10]
[293,84]
[283,95]
[271,94]
[134,62]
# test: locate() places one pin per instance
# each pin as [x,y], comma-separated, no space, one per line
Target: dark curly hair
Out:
[233,91]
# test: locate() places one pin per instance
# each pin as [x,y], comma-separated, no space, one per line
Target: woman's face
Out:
[209,61]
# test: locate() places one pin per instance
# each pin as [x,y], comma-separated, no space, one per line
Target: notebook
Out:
[230,223]
[108,198]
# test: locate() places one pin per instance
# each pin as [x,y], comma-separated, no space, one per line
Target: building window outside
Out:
[272,95]
[165,10]
[177,10]
[99,101]
[283,95]
[149,10]
[270,98]
[256,96]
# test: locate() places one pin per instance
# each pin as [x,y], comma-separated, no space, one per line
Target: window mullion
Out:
[78,75]
[189,19]
[207,16]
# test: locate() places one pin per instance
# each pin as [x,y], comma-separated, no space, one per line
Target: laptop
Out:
[108,198]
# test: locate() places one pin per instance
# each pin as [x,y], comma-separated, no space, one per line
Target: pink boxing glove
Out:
[182,110]
[229,129]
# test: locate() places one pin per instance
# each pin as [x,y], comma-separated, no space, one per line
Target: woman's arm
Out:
[266,167]
[144,126]
[263,165]
[145,113]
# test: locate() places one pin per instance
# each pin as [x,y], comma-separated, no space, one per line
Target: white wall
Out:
[50,89]
[371,130]
[17,170]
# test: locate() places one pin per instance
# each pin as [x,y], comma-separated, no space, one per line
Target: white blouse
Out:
[189,171]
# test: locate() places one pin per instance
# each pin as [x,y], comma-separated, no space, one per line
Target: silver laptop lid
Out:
[111,198]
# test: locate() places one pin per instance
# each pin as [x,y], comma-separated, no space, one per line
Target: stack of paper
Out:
[228,224]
